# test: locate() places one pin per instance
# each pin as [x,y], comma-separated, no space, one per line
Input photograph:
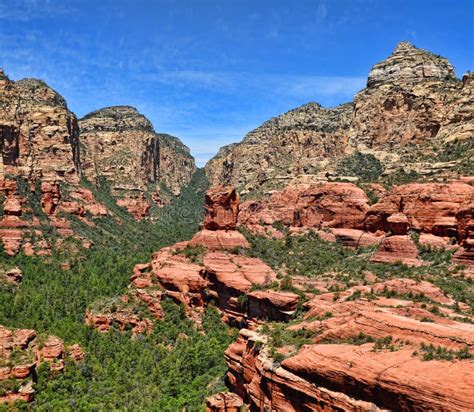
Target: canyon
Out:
[335,247]
[359,344]
[50,160]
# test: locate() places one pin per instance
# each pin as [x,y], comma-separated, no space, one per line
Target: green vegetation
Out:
[193,253]
[402,177]
[460,150]
[364,166]
[311,257]
[173,368]
[432,352]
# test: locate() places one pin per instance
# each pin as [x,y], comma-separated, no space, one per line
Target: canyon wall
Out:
[46,154]
[39,136]
[119,144]
[414,120]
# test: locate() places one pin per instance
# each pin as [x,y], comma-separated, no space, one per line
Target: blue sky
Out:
[209,71]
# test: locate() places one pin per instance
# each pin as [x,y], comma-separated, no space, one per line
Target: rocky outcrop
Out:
[338,205]
[398,249]
[44,155]
[220,221]
[229,402]
[360,354]
[441,214]
[197,273]
[12,276]
[21,352]
[39,136]
[222,208]
[414,118]
[119,146]
[40,205]
[283,147]
[427,208]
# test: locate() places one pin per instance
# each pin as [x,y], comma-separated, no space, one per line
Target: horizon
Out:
[211,72]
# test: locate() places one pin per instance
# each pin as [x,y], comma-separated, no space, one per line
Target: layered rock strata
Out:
[439,216]
[27,209]
[361,355]
[414,118]
[359,345]
[119,146]
[39,136]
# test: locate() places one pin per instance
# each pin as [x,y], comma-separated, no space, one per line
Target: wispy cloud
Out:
[298,86]
[27,10]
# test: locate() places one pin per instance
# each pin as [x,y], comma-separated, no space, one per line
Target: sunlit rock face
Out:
[407,119]
[39,136]
[119,145]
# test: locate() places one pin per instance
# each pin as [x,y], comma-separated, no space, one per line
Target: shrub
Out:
[364,166]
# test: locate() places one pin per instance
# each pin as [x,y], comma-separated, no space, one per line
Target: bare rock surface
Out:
[411,118]
[119,144]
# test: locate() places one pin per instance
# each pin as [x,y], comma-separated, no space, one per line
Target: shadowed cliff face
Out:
[414,117]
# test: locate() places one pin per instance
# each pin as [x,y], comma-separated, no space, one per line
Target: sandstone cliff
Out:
[413,120]
[39,136]
[44,156]
[118,144]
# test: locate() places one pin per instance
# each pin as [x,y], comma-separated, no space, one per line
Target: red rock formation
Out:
[17,224]
[263,385]
[181,279]
[401,381]
[137,207]
[13,276]
[427,207]
[273,305]
[219,239]
[222,208]
[75,352]
[341,205]
[29,354]
[50,197]
[353,238]
[224,402]
[335,374]
[121,319]
[397,249]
